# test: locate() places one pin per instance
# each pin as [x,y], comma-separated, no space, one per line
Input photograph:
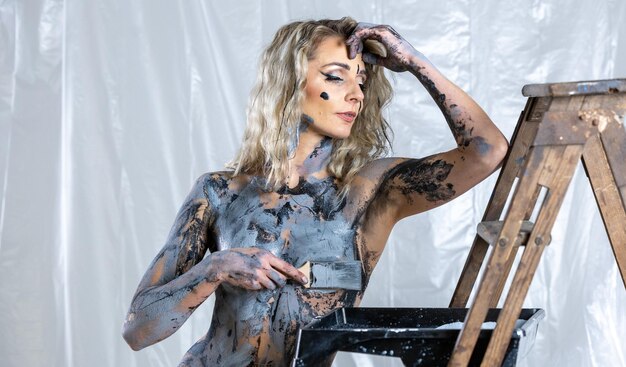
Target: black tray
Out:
[411,334]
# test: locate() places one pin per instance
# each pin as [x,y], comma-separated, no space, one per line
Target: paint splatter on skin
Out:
[318,159]
[324,96]
[417,176]
[305,121]
[482,146]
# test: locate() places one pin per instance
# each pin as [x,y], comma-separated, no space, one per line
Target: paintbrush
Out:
[332,274]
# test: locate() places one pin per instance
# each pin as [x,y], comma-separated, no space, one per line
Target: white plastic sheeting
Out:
[110,109]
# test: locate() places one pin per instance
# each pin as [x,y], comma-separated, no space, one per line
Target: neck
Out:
[311,158]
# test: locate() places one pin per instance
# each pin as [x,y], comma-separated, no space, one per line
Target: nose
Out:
[355,94]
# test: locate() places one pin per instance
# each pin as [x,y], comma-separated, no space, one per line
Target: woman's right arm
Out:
[180,277]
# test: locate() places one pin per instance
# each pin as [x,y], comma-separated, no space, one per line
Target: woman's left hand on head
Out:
[400,53]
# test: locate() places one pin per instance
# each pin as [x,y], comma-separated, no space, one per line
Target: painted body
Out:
[243,241]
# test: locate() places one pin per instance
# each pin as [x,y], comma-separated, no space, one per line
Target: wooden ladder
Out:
[560,124]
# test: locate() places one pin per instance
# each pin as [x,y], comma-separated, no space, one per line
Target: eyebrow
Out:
[344,66]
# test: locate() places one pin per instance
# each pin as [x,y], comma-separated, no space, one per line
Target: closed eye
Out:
[332,78]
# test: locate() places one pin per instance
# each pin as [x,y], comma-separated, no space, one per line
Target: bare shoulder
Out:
[222,184]
[367,187]
[370,178]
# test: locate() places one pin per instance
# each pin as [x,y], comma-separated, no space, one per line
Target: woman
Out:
[307,185]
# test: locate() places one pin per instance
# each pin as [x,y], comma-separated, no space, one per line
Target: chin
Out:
[339,135]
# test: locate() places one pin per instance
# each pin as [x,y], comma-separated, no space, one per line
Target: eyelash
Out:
[332,78]
[335,79]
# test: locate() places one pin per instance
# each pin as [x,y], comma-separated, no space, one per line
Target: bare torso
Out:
[306,223]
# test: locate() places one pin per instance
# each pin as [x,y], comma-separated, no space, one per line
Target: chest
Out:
[305,225]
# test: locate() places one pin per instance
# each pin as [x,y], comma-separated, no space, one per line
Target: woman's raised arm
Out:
[410,186]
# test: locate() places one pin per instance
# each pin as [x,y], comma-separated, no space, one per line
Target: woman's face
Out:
[334,89]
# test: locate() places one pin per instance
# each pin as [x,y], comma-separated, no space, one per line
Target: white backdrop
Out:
[109,109]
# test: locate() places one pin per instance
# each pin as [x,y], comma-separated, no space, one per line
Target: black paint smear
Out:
[263,234]
[323,193]
[423,177]
[324,96]
[432,88]
[395,34]
[192,233]
[234,340]
[155,297]
[459,129]
[281,214]
[321,147]
[307,119]
[275,310]
[412,177]
[462,135]
[219,184]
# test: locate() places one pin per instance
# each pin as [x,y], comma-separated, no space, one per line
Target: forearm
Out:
[474,132]
[157,312]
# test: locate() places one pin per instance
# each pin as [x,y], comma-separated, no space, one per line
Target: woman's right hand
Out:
[253,268]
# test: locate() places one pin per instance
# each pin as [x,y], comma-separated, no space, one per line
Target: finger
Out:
[356,41]
[243,280]
[354,45]
[252,285]
[277,277]
[352,51]
[369,33]
[370,58]
[289,270]
[265,281]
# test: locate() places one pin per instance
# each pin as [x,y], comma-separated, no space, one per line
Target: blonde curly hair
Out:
[274,110]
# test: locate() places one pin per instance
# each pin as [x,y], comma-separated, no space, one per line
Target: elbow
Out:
[131,340]
[491,154]
[132,336]
[501,149]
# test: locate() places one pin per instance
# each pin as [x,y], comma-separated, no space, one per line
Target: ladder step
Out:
[489,232]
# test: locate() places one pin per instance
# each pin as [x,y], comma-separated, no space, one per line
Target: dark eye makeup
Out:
[331,77]
[335,79]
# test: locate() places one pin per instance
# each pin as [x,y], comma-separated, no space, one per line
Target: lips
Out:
[347,116]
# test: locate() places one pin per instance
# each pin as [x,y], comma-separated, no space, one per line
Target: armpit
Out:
[420,177]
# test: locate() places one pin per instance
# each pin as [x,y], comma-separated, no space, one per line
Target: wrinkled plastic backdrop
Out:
[110,109]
